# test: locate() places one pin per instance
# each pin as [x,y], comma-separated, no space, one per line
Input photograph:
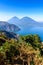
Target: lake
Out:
[33,30]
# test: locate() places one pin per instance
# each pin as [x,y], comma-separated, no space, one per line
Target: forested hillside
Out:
[26,50]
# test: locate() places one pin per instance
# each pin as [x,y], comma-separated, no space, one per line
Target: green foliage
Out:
[34,40]
[12,48]
[41,51]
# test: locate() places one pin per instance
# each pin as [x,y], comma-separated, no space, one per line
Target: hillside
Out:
[4,26]
[9,34]
[27,50]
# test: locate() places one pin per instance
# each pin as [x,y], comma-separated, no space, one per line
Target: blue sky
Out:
[21,8]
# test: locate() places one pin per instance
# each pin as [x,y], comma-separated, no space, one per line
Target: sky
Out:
[21,8]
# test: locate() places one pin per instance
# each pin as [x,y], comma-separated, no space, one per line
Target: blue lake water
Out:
[36,30]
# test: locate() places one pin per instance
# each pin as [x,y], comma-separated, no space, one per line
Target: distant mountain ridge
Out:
[4,26]
[25,22]
[14,20]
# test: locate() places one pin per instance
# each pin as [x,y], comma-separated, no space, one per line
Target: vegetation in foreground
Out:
[27,50]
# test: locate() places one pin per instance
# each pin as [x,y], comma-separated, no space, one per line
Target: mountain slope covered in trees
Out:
[27,50]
